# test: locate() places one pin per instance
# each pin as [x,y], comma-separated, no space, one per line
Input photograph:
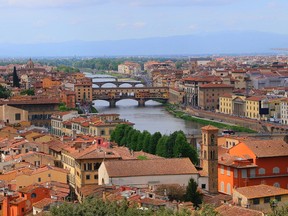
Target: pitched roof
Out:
[209,127]
[228,210]
[175,166]
[43,203]
[215,85]
[258,191]
[268,148]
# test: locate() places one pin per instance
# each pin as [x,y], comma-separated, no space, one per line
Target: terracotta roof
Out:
[154,202]
[227,210]
[43,203]
[209,127]
[268,148]
[258,191]
[255,98]
[215,85]
[175,166]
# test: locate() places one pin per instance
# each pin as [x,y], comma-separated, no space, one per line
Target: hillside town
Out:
[57,150]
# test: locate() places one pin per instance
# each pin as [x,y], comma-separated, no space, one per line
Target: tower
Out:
[209,156]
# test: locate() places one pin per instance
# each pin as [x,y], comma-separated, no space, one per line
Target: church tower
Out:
[209,156]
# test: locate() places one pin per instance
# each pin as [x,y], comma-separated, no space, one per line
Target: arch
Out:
[212,139]
[124,84]
[222,186]
[228,189]
[276,184]
[109,85]
[276,170]
[139,85]
[261,171]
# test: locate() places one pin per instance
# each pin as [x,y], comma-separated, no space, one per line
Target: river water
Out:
[153,117]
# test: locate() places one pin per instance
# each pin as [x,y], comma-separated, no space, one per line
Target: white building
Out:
[284,111]
[149,172]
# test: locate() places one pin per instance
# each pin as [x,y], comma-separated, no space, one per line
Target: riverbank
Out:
[174,110]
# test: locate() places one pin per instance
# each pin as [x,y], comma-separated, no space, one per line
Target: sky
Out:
[45,21]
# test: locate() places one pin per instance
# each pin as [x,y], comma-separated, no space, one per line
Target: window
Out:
[22,209]
[261,171]
[89,166]
[244,173]
[276,184]
[229,189]
[203,186]
[95,176]
[33,195]
[252,173]
[222,169]
[49,175]
[39,179]
[228,171]
[212,138]
[222,186]
[278,198]
[87,177]
[276,170]
[235,173]
[102,132]
[266,199]
[17,116]
[256,201]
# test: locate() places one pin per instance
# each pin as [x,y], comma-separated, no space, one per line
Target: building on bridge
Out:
[83,90]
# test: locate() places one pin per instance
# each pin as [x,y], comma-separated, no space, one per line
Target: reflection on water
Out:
[153,117]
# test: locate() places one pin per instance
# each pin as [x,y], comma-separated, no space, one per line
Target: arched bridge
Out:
[118,83]
[141,94]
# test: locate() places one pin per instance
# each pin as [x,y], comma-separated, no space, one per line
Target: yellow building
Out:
[26,176]
[225,104]
[83,90]
[83,165]
[12,115]
[260,197]
[257,107]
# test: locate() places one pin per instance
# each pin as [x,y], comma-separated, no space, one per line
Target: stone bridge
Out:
[141,94]
[118,83]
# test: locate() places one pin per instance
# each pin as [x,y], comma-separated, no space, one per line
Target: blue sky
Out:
[34,21]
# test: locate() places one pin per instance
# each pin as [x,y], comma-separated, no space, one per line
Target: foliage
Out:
[180,114]
[4,92]
[206,210]
[16,81]
[280,211]
[28,92]
[142,157]
[67,69]
[173,191]
[92,206]
[63,107]
[93,109]
[192,193]
[172,146]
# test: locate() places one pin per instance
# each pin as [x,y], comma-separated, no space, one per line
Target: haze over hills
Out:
[198,44]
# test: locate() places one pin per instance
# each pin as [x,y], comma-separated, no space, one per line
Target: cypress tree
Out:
[16,82]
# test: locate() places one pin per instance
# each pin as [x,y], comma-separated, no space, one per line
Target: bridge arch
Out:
[109,85]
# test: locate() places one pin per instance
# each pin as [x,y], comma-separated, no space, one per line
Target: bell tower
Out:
[209,156]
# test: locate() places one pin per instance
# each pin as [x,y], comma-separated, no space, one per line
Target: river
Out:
[153,117]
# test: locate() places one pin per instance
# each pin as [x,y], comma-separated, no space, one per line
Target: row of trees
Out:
[92,206]
[169,146]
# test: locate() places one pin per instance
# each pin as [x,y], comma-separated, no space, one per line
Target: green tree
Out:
[153,143]
[161,149]
[178,146]
[28,92]
[134,140]
[16,82]
[124,139]
[147,141]
[4,92]
[140,141]
[192,193]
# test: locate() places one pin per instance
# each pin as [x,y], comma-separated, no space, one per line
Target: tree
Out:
[146,142]
[27,92]
[173,191]
[118,133]
[192,193]
[206,210]
[16,82]
[153,143]
[140,142]
[4,92]
[161,149]
[180,141]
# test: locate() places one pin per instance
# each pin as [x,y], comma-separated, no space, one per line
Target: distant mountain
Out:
[210,43]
